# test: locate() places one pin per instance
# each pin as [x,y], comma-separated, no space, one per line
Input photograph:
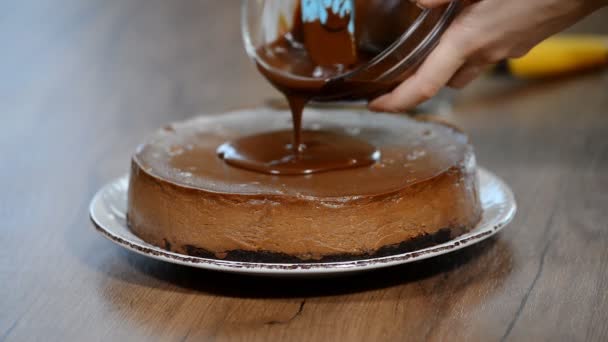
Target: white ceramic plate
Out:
[108,210]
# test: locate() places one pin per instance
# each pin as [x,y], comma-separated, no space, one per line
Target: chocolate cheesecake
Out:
[419,190]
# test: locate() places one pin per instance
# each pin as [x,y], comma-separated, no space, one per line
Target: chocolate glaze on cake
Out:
[184,198]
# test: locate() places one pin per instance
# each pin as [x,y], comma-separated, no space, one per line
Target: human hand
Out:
[483,33]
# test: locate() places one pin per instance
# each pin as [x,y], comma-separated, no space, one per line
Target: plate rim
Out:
[262,268]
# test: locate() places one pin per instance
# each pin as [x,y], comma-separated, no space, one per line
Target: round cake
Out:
[422,191]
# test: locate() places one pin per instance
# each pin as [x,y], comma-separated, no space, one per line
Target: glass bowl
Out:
[401,38]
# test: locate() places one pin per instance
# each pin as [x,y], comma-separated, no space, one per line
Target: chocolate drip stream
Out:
[296,105]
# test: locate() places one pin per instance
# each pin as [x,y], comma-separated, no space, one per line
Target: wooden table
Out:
[82,82]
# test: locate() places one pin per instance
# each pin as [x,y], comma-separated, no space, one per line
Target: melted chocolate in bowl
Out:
[315,53]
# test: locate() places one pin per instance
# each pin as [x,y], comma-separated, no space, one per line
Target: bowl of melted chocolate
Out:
[340,49]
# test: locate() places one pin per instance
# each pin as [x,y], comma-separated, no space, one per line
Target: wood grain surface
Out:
[82,82]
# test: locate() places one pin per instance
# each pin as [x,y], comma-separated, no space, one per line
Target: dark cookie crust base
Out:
[420,242]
